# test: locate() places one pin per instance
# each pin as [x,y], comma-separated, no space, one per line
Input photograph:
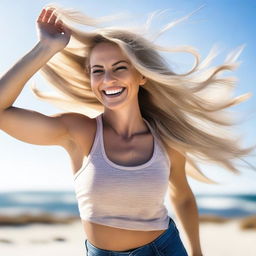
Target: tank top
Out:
[126,197]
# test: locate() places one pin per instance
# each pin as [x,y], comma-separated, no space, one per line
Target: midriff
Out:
[116,239]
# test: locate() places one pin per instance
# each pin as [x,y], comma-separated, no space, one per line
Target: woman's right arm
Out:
[27,125]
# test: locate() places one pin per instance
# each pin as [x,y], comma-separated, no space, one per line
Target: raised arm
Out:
[27,125]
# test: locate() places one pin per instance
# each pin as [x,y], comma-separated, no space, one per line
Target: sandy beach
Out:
[227,240]
[218,238]
[42,240]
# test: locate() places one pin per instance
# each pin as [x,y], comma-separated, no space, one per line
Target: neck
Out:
[125,123]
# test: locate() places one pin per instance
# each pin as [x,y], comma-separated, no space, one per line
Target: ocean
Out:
[63,203]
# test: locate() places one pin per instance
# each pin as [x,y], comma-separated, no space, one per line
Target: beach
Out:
[219,237]
[42,239]
[227,240]
[47,223]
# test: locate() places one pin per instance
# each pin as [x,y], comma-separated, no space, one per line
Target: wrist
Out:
[45,48]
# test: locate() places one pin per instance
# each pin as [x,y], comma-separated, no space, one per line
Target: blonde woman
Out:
[144,142]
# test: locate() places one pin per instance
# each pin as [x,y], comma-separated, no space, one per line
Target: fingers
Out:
[52,19]
[62,28]
[40,18]
[59,25]
[47,16]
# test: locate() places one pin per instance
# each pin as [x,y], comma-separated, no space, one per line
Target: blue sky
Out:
[227,23]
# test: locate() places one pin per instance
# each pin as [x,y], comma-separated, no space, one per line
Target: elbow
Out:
[183,201]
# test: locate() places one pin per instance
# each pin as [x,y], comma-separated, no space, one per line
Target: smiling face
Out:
[114,80]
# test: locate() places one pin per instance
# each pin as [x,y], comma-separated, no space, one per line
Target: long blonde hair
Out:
[187,111]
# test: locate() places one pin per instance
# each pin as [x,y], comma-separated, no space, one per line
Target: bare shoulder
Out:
[82,130]
[73,131]
[81,127]
[77,122]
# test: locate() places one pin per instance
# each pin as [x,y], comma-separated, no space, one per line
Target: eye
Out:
[97,71]
[121,67]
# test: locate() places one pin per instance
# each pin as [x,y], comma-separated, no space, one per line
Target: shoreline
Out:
[246,222]
[218,236]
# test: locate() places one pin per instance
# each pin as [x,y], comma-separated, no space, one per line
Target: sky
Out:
[227,24]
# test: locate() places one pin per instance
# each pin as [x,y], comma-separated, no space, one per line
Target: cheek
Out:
[93,87]
[136,81]
[135,77]
[126,78]
[94,83]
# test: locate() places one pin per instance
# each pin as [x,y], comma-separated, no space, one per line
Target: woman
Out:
[142,144]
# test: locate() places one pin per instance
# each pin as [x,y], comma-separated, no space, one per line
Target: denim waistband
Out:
[166,235]
[157,242]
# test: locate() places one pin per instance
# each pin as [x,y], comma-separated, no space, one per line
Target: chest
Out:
[132,152]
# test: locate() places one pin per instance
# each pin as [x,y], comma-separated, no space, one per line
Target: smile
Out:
[114,93]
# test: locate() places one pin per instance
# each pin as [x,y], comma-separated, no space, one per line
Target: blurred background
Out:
[36,183]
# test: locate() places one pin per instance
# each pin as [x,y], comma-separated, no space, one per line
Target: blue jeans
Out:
[167,244]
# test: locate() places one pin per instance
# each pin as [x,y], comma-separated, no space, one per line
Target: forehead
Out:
[106,52]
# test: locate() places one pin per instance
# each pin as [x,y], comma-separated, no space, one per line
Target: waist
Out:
[116,239]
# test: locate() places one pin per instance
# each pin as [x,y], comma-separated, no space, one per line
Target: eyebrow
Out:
[99,66]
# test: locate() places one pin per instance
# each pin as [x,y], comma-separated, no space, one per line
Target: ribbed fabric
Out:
[127,197]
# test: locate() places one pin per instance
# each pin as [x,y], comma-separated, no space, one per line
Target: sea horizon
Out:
[64,203]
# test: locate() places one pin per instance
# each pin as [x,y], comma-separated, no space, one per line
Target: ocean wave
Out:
[39,199]
[223,203]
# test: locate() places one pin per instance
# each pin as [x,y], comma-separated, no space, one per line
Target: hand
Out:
[54,34]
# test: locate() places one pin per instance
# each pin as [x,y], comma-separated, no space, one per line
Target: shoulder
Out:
[80,127]
[77,121]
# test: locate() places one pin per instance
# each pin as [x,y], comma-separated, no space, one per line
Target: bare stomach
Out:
[116,239]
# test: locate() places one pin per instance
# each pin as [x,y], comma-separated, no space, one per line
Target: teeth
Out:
[113,91]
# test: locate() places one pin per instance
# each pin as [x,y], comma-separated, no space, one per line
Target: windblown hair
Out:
[187,111]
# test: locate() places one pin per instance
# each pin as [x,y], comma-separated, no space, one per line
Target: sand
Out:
[217,239]
[227,239]
[42,240]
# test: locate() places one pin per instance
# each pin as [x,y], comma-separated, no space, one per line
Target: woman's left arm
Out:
[183,202]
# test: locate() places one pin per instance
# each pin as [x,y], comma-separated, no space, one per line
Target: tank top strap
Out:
[153,132]
[96,143]
[158,140]
[150,127]
[158,145]
[99,124]
[99,119]
[100,128]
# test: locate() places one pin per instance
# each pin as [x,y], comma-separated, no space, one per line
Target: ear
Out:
[143,80]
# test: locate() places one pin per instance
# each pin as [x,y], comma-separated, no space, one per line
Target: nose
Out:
[109,77]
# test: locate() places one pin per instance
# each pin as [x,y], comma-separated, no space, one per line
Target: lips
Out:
[113,88]
[115,94]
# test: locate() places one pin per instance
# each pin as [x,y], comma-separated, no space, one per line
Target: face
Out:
[114,80]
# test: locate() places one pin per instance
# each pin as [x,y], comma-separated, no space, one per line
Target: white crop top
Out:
[127,197]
